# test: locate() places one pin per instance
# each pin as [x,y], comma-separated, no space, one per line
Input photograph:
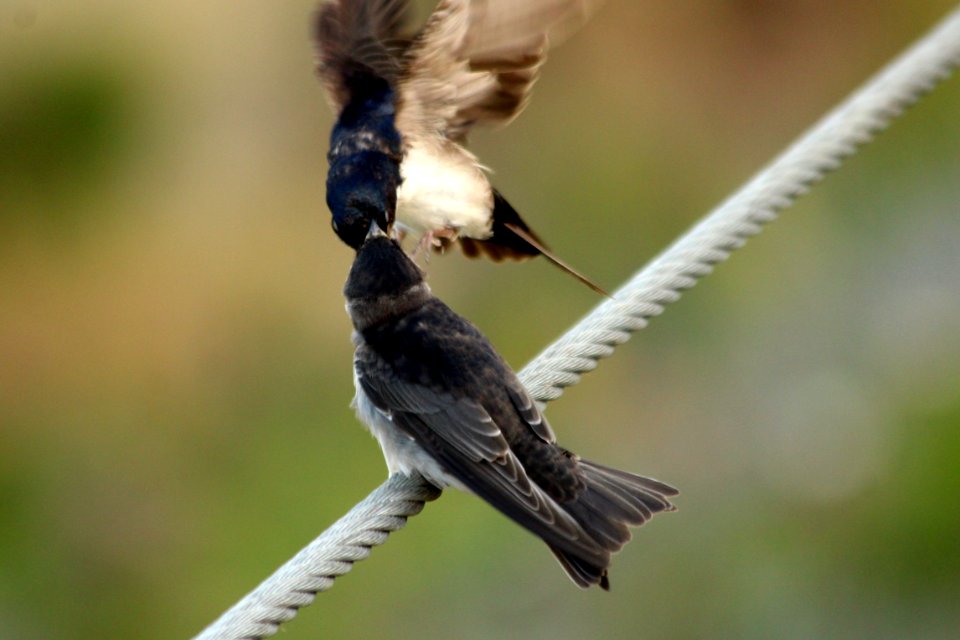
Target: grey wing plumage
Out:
[476,61]
[528,410]
[358,34]
[462,436]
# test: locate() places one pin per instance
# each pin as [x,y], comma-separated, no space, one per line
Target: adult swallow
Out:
[442,402]
[406,104]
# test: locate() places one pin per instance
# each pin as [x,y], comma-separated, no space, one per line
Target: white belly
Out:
[448,192]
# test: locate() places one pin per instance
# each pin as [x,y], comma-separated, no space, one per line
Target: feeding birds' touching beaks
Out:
[365,201]
[406,102]
[378,269]
[375,231]
[442,402]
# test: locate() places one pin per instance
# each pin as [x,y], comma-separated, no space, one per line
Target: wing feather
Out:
[529,412]
[358,35]
[503,483]
[462,436]
[476,61]
[462,424]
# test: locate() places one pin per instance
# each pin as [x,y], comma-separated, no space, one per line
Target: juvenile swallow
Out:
[405,105]
[442,402]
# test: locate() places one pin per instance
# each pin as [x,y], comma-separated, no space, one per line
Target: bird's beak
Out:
[375,231]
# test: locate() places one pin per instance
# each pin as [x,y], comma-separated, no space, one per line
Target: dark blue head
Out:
[365,154]
[361,189]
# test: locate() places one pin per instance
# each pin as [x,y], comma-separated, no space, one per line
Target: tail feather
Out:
[640,496]
[611,500]
[583,573]
[513,239]
[504,243]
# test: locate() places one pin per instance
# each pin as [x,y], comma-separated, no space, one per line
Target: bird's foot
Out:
[426,241]
[437,240]
[443,238]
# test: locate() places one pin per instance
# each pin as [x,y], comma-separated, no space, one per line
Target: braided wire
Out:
[712,240]
[294,585]
[821,150]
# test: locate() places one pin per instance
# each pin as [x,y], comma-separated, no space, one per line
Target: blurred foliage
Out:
[58,130]
[175,360]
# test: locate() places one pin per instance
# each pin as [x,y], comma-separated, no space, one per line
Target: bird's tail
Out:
[513,239]
[611,500]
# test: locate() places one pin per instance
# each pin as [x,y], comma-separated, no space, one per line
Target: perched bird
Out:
[406,104]
[442,402]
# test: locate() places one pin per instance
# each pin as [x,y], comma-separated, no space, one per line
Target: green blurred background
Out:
[175,359]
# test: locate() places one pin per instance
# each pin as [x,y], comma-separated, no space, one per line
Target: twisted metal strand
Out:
[644,296]
[351,538]
[821,150]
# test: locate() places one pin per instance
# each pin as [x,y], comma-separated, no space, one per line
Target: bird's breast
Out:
[443,191]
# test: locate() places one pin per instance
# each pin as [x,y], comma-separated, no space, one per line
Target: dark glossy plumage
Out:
[437,379]
[365,154]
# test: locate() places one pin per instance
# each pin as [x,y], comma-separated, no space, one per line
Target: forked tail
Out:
[513,239]
[611,501]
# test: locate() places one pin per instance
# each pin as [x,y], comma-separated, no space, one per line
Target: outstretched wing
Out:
[358,36]
[475,61]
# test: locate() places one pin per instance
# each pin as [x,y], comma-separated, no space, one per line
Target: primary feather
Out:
[352,35]
[474,62]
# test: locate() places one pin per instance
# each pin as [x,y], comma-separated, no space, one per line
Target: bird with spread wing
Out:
[405,104]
